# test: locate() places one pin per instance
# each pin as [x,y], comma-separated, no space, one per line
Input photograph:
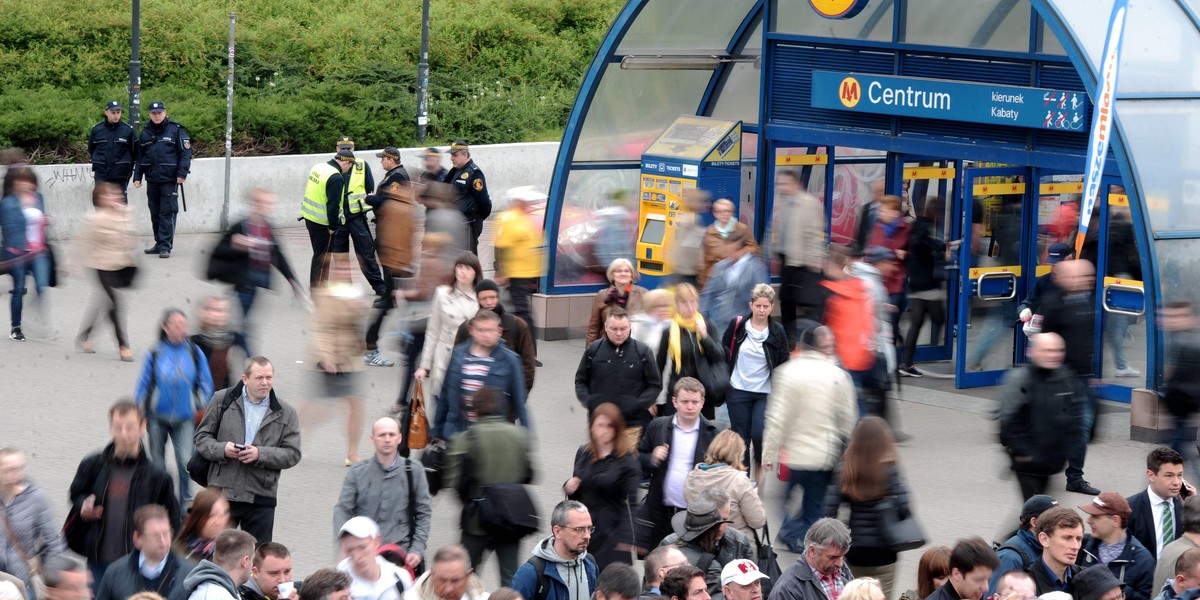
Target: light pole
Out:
[422,75]
[135,71]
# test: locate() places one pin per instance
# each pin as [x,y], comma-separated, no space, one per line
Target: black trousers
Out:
[506,554]
[475,228]
[1031,484]
[163,201]
[358,231]
[254,519]
[799,294]
[521,289]
[936,310]
[109,280]
[321,239]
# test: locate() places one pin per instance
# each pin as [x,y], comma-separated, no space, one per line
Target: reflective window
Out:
[873,23]
[1159,135]
[631,108]
[852,186]
[1088,22]
[1159,49]
[598,223]
[989,24]
[1178,263]
[738,97]
[692,25]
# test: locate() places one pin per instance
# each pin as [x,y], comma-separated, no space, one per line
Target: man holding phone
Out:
[249,435]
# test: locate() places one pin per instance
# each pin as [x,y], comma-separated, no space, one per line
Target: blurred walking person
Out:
[732,279]
[453,303]
[337,348]
[395,211]
[797,241]
[31,530]
[718,239]
[23,233]
[1181,392]
[926,266]
[520,251]
[105,245]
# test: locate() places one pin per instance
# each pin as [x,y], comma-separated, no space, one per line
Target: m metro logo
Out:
[849,92]
[838,9]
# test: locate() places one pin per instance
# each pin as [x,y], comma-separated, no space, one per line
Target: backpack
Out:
[1026,559]
[543,582]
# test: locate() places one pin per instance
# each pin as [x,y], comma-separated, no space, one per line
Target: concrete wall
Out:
[68,188]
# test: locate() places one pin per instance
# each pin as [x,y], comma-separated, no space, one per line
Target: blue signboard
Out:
[991,104]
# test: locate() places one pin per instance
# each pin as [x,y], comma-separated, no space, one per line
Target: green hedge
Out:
[307,72]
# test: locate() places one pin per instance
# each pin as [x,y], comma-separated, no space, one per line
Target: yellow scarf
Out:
[674,350]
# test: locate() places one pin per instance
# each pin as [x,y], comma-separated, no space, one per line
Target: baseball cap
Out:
[1058,253]
[459,146]
[390,152]
[431,151]
[157,106]
[345,142]
[1037,505]
[113,105]
[526,193]
[699,517]
[741,572]
[344,153]
[359,527]
[1093,582]
[1108,503]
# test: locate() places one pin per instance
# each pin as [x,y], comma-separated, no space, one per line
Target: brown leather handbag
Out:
[418,424]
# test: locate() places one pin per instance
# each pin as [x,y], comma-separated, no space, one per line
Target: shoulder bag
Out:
[197,465]
[418,421]
[506,511]
[899,534]
[768,561]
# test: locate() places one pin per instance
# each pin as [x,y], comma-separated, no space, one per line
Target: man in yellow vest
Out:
[321,209]
[520,249]
[359,183]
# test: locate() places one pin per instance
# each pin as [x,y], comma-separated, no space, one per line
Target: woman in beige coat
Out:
[452,305]
[337,344]
[723,467]
[105,244]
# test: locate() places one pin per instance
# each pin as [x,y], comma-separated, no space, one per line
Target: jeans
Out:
[997,324]
[795,526]
[857,377]
[1115,328]
[506,554]
[1077,457]
[40,267]
[182,434]
[747,413]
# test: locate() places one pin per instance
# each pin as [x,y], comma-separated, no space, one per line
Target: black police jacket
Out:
[471,187]
[113,148]
[164,152]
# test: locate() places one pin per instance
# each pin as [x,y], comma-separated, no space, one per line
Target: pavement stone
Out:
[56,406]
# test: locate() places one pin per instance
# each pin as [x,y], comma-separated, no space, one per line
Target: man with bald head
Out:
[390,490]
[1070,311]
[1041,414]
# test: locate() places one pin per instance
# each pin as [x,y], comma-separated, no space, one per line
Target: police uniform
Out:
[360,181]
[471,188]
[321,211]
[164,157]
[113,149]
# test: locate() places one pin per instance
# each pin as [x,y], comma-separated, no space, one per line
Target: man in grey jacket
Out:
[219,578]
[391,490]
[249,436]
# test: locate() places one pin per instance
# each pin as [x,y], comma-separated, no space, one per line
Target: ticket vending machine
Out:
[693,153]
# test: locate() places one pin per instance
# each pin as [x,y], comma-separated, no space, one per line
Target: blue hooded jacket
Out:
[182,380]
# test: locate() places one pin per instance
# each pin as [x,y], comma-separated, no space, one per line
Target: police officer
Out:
[471,188]
[360,182]
[164,158]
[321,210]
[113,146]
[434,171]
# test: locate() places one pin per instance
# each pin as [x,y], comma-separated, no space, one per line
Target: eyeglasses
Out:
[580,530]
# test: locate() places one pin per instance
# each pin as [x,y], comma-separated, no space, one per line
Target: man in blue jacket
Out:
[1020,550]
[1111,544]
[112,145]
[482,361]
[164,159]
[560,564]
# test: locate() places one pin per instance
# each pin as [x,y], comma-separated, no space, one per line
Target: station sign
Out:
[838,9]
[989,104]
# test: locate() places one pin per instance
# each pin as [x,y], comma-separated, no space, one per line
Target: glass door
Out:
[1121,302]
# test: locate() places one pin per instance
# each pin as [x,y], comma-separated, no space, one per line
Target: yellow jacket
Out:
[519,245]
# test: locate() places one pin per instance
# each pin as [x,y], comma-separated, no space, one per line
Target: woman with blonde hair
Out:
[688,347]
[621,292]
[754,345]
[723,467]
[605,480]
[862,588]
[868,476]
[647,325]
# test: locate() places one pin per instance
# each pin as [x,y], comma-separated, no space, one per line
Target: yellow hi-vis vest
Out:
[314,206]
[357,192]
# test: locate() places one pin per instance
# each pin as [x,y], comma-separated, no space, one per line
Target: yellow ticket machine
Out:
[693,153]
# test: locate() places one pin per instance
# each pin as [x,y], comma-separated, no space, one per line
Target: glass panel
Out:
[749,179]
[1194,5]
[753,44]
[1159,135]
[928,188]
[995,250]
[1051,43]
[1125,348]
[852,189]
[989,24]
[1178,263]
[1087,21]
[1159,52]
[631,108]
[738,97]
[598,224]
[692,25]
[873,23]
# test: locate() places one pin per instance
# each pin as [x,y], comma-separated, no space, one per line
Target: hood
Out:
[866,271]
[850,287]
[209,572]
[572,573]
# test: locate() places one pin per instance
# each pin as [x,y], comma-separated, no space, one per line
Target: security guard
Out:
[321,209]
[469,184]
[164,158]
[113,146]
[360,183]
[434,171]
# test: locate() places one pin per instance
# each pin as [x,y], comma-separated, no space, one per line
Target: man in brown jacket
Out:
[394,207]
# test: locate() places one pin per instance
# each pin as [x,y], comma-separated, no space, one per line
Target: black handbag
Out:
[507,511]
[899,534]
[197,465]
[434,458]
[768,561]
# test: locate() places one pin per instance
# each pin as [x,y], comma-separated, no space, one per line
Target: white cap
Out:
[741,572]
[359,527]
[526,193]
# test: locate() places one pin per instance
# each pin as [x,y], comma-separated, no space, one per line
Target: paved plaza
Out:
[55,404]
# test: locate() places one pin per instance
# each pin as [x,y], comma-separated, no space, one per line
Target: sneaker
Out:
[910,372]
[376,359]
[16,335]
[1082,487]
[1127,372]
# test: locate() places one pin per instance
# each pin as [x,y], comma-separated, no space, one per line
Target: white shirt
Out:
[1157,504]
[679,463]
[752,373]
[382,589]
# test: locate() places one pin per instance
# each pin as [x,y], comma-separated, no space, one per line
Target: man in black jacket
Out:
[663,450]
[1060,530]
[619,369]
[112,145]
[164,158]
[1041,411]
[971,564]
[108,489]
[1156,517]
[1111,544]
[152,567]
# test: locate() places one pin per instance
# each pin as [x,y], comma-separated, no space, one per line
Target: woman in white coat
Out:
[452,305]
